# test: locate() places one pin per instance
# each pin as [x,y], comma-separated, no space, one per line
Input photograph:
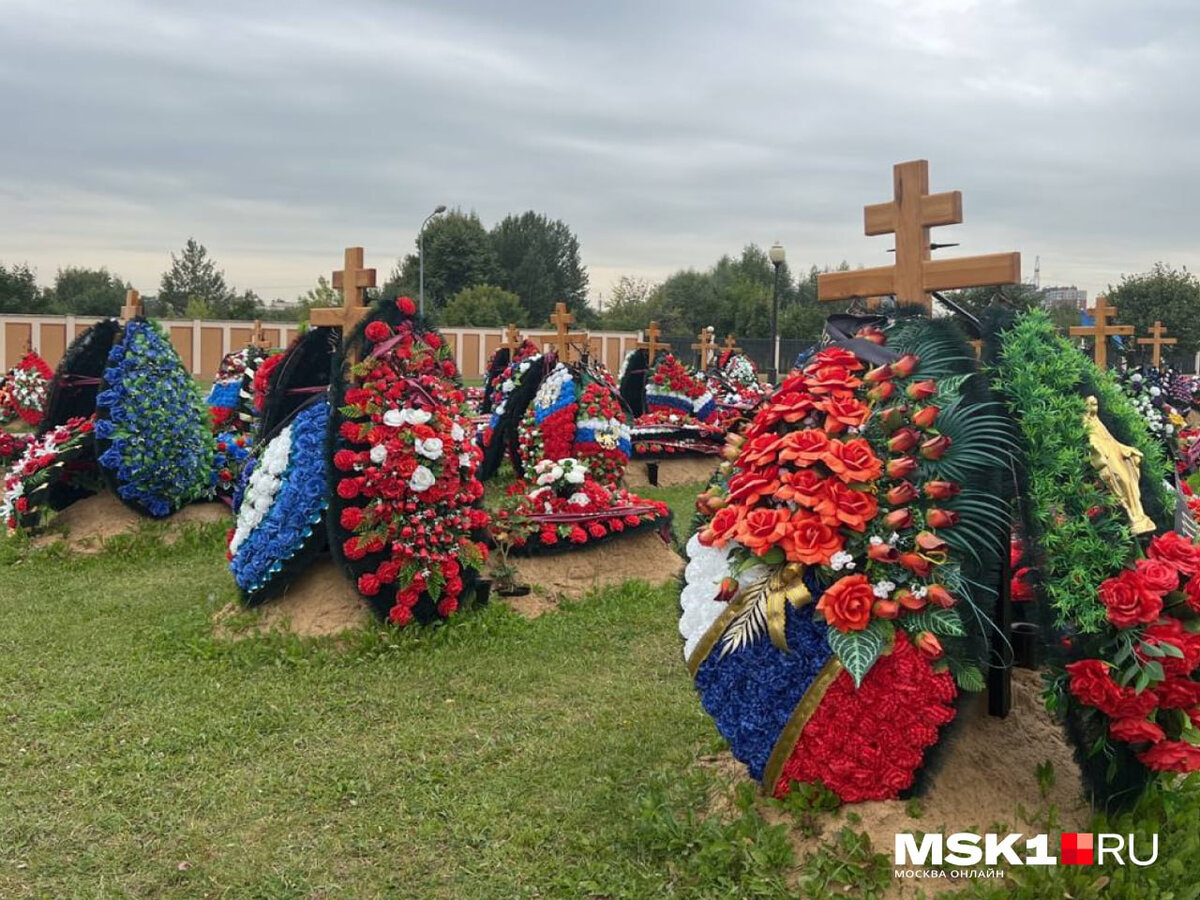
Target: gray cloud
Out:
[665,134]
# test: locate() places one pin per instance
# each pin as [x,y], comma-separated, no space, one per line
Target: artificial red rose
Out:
[760,452]
[761,529]
[1176,550]
[1157,575]
[892,419]
[902,494]
[368,585]
[792,406]
[941,490]
[596,530]
[932,546]
[804,447]
[885,609]
[400,615]
[352,549]
[852,508]
[749,487]
[388,572]
[548,535]
[881,392]
[827,379]
[879,375]
[925,417]
[1091,683]
[837,356]
[846,604]
[905,365]
[1135,731]
[804,486]
[917,564]
[939,596]
[928,644]
[1178,693]
[901,467]
[1172,756]
[376,332]
[854,461]
[883,552]
[723,527]
[903,440]
[344,460]
[447,606]
[921,390]
[351,518]
[843,412]
[1128,602]
[936,447]
[810,541]
[899,519]
[909,600]
[941,518]
[406,306]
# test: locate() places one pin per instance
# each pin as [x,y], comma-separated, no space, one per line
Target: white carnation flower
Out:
[464,460]
[579,499]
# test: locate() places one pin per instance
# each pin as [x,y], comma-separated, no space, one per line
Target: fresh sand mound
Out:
[86,524]
[672,471]
[571,575]
[987,783]
[319,603]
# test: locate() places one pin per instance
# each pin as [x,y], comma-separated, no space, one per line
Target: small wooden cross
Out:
[652,344]
[731,344]
[910,216]
[352,280]
[512,340]
[133,306]
[704,346]
[1156,341]
[562,342]
[1101,330]
[258,337]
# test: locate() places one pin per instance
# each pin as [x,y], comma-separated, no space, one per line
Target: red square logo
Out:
[1077,850]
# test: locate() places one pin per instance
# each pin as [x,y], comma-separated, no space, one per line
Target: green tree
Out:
[539,261]
[19,292]
[88,292]
[198,308]
[627,305]
[194,275]
[458,254]
[246,305]
[483,306]
[1164,294]
[1018,296]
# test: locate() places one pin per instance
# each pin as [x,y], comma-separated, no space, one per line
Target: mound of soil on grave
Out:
[321,602]
[987,783]
[86,524]
[643,556]
[672,471]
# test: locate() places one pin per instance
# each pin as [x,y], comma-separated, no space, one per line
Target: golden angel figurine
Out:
[1120,468]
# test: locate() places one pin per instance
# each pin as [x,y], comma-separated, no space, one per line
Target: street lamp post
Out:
[441,208]
[777,256]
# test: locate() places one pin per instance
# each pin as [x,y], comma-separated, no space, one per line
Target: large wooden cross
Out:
[133,306]
[1156,341]
[704,346]
[512,340]
[910,216]
[1101,330]
[258,337]
[352,280]
[731,344]
[652,344]
[562,342]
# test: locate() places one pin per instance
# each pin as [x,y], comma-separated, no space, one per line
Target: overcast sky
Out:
[663,133]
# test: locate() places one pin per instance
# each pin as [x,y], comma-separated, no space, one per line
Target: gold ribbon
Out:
[785,584]
[804,711]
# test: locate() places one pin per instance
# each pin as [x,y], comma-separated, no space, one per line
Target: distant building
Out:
[1065,296]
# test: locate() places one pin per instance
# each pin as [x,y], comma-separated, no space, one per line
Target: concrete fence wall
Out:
[202,343]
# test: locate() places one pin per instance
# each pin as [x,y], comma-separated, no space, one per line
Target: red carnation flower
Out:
[376,332]
[406,306]
[344,460]
[368,585]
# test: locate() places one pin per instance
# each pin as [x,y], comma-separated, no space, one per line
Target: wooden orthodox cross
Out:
[1101,330]
[910,216]
[731,344]
[353,280]
[133,306]
[704,346]
[512,340]
[562,340]
[1156,341]
[258,337]
[652,344]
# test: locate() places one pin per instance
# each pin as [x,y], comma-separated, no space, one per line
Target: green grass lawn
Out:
[489,757]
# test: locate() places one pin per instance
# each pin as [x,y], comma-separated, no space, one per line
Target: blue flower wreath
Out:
[231,455]
[152,426]
[298,508]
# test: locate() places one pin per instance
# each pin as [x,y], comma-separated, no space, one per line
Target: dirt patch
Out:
[86,524]
[571,575]
[320,603]
[671,472]
[987,783]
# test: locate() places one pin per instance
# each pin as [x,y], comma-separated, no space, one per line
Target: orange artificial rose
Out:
[846,604]
[723,527]
[809,540]
[804,448]
[854,461]
[762,529]
[852,508]
[842,412]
